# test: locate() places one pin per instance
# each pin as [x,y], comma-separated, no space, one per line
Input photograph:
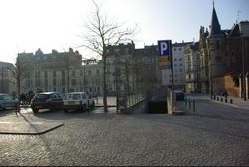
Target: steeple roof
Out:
[215,25]
[235,32]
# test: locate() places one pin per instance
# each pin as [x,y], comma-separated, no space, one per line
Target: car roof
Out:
[48,92]
[76,93]
[178,91]
[4,94]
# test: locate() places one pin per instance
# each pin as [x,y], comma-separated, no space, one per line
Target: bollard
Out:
[225,100]
[211,97]
[231,101]
[221,99]
[189,103]
[217,98]
[193,105]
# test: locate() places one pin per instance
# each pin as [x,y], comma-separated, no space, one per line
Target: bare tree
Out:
[101,32]
[19,72]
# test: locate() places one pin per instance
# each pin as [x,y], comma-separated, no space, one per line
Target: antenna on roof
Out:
[238,14]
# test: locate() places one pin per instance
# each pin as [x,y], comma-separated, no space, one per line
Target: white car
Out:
[77,100]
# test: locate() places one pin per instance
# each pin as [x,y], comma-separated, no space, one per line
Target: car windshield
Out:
[41,97]
[6,97]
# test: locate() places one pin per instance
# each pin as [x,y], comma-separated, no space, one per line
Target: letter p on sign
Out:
[164,47]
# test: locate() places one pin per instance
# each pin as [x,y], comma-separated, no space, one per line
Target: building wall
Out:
[225,83]
[192,68]
[7,80]
[51,72]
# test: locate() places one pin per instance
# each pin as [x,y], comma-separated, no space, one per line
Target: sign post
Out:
[165,62]
[165,53]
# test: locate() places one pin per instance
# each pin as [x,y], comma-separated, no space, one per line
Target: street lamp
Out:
[243,68]
[2,79]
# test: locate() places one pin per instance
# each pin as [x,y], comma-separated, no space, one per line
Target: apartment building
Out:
[51,72]
[7,80]
[178,66]
[192,68]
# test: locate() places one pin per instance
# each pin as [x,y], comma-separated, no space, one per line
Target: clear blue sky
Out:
[27,25]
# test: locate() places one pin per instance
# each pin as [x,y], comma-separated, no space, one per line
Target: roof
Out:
[215,25]
[235,32]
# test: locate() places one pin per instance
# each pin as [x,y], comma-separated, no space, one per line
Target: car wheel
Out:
[65,110]
[35,110]
[84,108]
[93,105]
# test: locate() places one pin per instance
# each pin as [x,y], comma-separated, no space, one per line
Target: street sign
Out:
[164,47]
[164,50]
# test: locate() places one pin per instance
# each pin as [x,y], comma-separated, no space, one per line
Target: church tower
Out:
[215,45]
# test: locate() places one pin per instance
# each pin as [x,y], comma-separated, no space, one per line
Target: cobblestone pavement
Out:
[215,134]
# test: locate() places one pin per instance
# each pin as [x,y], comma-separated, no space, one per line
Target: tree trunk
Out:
[18,92]
[104,85]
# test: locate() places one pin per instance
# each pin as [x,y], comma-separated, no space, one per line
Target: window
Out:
[46,81]
[54,96]
[97,72]
[54,74]
[46,74]
[217,44]
[54,81]
[89,72]
[73,82]
[73,73]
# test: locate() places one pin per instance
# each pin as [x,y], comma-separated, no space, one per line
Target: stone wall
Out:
[223,83]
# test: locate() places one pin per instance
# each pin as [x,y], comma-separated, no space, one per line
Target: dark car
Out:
[179,94]
[47,100]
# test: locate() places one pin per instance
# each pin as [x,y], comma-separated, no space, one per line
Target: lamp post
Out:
[243,68]
[2,79]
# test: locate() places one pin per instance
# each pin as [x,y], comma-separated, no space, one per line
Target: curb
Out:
[22,132]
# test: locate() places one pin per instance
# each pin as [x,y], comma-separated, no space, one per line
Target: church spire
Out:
[215,25]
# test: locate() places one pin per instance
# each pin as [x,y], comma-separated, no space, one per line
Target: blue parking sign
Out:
[164,47]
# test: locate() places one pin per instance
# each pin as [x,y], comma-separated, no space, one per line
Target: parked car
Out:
[77,100]
[7,101]
[47,100]
[179,94]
